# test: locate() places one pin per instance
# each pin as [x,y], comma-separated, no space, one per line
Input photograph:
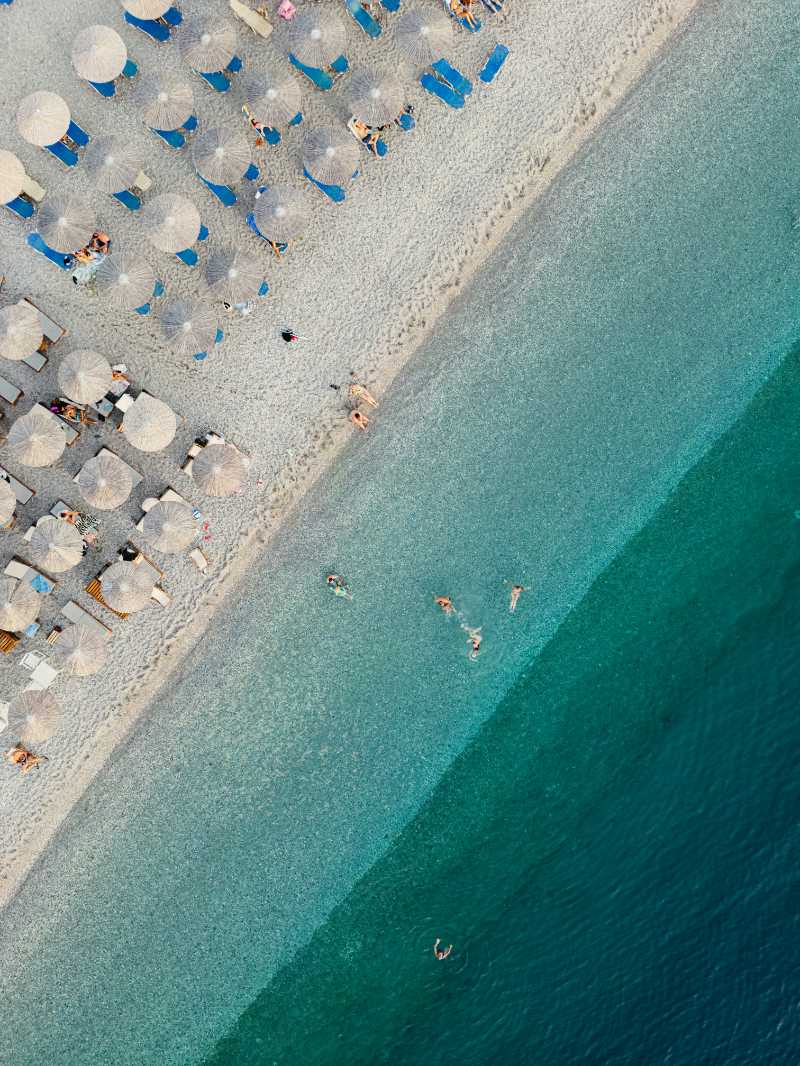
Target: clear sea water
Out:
[602,812]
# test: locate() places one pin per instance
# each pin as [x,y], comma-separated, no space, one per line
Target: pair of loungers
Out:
[321,79]
[156,29]
[224,193]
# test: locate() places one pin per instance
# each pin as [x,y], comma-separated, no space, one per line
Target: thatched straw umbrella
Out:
[316,37]
[375,98]
[146,9]
[207,44]
[170,526]
[82,649]
[219,469]
[149,424]
[330,155]
[234,275]
[165,101]
[12,177]
[125,280]
[126,588]
[281,213]
[8,502]
[56,545]
[172,222]
[84,376]
[113,163]
[33,716]
[20,331]
[42,118]
[272,97]
[99,54]
[66,223]
[19,604]
[36,438]
[104,481]
[190,326]
[423,38]
[222,154]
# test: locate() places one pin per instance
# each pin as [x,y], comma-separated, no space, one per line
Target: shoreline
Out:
[486,234]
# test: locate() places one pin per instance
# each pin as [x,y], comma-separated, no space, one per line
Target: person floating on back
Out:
[516,592]
[441,953]
[338,586]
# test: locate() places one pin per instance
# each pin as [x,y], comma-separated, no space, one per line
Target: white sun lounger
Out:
[22,492]
[9,392]
[256,22]
[51,330]
[73,612]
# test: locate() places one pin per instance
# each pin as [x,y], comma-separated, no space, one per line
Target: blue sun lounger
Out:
[406,122]
[318,78]
[127,199]
[361,16]
[20,206]
[497,58]
[224,193]
[76,134]
[278,246]
[252,173]
[200,356]
[158,290]
[175,138]
[62,153]
[216,79]
[444,92]
[263,289]
[452,76]
[109,88]
[153,29]
[333,192]
[60,259]
[391,5]
[189,255]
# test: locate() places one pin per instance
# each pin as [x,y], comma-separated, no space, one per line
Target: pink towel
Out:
[286,9]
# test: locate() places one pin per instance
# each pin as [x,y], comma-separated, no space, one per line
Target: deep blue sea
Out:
[601,813]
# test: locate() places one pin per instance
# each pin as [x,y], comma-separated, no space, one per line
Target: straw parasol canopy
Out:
[166,102]
[221,155]
[113,163]
[36,438]
[126,587]
[172,222]
[125,280]
[66,222]
[272,97]
[98,54]
[207,44]
[42,118]
[149,424]
[316,37]
[105,481]
[84,376]
[219,469]
[12,177]
[8,502]
[20,331]
[56,545]
[376,98]
[146,9]
[19,604]
[189,325]
[33,716]
[330,155]
[281,213]
[170,526]
[82,649]
[423,38]
[233,275]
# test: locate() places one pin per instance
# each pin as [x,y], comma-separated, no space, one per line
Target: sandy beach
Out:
[362,289]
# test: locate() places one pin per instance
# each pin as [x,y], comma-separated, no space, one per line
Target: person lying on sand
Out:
[367,134]
[445,603]
[441,953]
[359,420]
[23,758]
[462,9]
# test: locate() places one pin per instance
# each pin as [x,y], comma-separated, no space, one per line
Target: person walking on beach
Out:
[289,335]
[516,592]
[445,603]
[441,953]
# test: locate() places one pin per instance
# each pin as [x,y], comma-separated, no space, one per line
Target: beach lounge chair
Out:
[496,59]
[158,290]
[77,135]
[377,145]
[437,88]
[454,78]
[62,153]
[465,23]
[406,122]
[334,192]
[257,22]
[21,206]
[128,199]
[9,392]
[23,571]
[157,29]
[391,5]
[363,18]
[198,445]
[59,258]
[21,491]
[109,88]
[318,78]
[76,614]
[51,334]
[224,193]
[189,255]
[8,641]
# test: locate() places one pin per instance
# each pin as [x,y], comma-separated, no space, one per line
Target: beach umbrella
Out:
[99,54]
[113,163]
[172,222]
[219,469]
[105,481]
[146,9]
[190,325]
[207,44]
[42,118]
[272,97]
[66,222]
[8,502]
[126,587]
[19,604]
[84,376]
[376,98]
[55,545]
[125,280]
[330,155]
[316,37]
[82,649]
[281,213]
[233,275]
[12,177]
[423,38]
[165,101]
[36,438]
[221,155]
[170,526]
[149,424]
[33,716]
[20,331]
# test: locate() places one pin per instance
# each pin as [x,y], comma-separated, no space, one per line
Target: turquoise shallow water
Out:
[307,774]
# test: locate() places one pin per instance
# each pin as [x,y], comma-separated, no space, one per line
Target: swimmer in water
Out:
[441,953]
[445,603]
[516,592]
[338,586]
[474,639]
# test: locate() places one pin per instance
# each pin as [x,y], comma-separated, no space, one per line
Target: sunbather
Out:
[359,420]
[366,134]
[24,759]
[462,9]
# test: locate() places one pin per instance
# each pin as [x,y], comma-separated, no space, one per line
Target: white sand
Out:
[362,289]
